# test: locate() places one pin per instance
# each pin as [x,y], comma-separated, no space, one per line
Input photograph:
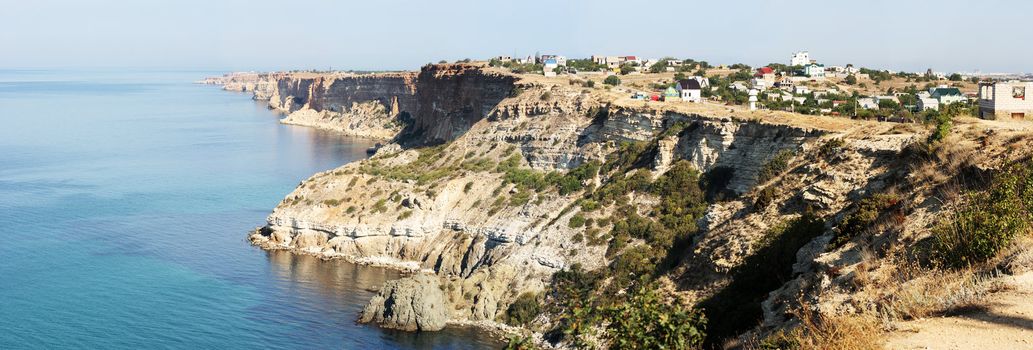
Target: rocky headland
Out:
[494,187]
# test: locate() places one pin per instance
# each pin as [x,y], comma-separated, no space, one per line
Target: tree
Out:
[679,76]
[955,77]
[627,68]
[850,80]
[612,80]
[647,321]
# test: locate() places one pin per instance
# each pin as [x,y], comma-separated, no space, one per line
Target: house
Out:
[759,83]
[947,95]
[801,90]
[609,61]
[837,103]
[925,103]
[785,83]
[550,64]
[738,86]
[1005,100]
[631,59]
[850,69]
[886,98]
[765,73]
[868,103]
[689,90]
[671,94]
[801,58]
[557,59]
[704,82]
[814,70]
[503,58]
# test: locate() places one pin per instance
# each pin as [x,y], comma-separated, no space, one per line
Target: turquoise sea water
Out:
[125,199]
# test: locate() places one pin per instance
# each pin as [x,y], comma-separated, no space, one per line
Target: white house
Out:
[925,103]
[868,103]
[801,58]
[759,83]
[690,90]
[704,82]
[1005,100]
[814,70]
[801,90]
[947,95]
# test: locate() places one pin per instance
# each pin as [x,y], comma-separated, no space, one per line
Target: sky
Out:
[913,35]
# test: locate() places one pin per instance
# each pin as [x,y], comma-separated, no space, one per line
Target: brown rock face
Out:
[396,91]
[453,97]
[410,304]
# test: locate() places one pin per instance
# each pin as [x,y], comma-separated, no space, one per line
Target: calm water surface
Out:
[125,199]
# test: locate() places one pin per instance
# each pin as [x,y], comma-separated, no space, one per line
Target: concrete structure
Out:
[801,90]
[814,70]
[689,90]
[947,95]
[1006,100]
[556,59]
[868,103]
[753,99]
[801,58]
[925,103]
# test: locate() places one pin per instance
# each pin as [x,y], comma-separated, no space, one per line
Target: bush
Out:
[989,222]
[775,166]
[523,310]
[612,80]
[868,211]
[576,221]
[646,321]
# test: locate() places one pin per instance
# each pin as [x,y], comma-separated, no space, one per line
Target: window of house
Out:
[1018,92]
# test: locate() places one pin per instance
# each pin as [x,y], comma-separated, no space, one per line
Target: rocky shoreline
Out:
[489,184]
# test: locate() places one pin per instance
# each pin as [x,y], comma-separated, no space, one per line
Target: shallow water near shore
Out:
[125,199]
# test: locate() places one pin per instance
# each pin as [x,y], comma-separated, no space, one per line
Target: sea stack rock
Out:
[410,304]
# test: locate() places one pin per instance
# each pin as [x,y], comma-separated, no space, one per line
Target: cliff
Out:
[499,185]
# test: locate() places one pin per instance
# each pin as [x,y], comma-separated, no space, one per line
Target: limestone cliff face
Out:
[452,98]
[369,105]
[460,221]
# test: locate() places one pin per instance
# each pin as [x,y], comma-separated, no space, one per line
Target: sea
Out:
[125,200]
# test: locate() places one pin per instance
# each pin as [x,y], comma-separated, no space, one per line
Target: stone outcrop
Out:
[411,304]
[485,258]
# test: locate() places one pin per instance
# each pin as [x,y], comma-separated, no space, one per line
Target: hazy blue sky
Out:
[946,35]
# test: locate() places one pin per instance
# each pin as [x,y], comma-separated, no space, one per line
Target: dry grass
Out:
[818,332]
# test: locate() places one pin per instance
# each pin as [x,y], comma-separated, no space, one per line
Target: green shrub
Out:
[523,310]
[868,211]
[405,215]
[380,206]
[576,221]
[467,187]
[332,202]
[989,222]
[646,321]
[775,166]
[765,197]
[942,129]
[612,80]
[831,148]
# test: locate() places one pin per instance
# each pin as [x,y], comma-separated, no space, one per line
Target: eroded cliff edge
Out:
[497,182]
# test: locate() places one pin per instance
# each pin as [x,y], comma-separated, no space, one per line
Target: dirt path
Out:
[1004,322]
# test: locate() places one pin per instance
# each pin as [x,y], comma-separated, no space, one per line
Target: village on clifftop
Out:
[802,85]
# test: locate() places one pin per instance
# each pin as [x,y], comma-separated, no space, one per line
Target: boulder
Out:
[411,304]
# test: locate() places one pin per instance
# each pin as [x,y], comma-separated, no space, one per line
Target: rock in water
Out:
[410,304]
